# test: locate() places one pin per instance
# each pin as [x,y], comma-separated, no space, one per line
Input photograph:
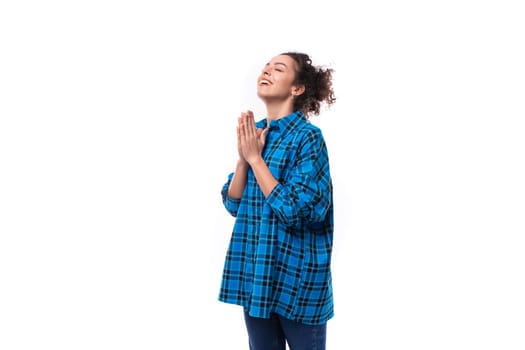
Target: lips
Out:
[264,82]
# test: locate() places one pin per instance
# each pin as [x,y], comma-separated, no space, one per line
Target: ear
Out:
[297,90]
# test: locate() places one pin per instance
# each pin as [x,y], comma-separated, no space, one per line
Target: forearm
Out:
[264,177]
[238,181]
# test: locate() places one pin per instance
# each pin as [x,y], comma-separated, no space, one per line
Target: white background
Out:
[117,132]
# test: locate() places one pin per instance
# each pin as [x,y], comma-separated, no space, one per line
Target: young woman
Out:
[278,262]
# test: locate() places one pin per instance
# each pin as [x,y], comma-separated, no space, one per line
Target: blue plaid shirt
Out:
[278,259]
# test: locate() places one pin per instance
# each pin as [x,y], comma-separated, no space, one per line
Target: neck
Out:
[276,111]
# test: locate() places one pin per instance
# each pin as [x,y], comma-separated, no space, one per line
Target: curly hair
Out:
[317,82]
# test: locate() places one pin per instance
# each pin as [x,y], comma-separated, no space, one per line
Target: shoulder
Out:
[309,140]
[309,132]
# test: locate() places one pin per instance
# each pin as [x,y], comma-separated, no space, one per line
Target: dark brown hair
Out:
[317,82]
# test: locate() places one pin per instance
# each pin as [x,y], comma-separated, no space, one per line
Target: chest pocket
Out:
[280,154]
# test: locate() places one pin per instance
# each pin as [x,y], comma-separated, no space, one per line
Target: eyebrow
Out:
[277,63]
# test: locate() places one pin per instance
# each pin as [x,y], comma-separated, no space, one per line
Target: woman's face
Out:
[276,79]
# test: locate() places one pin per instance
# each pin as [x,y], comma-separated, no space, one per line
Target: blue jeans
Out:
[273,333]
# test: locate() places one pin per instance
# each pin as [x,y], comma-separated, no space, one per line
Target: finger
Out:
[248,123]
[244,129]
[251,124]
[242,119]
[242,126]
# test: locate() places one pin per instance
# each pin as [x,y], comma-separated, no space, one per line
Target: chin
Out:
[261,95]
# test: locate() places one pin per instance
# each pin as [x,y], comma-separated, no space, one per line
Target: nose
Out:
[266,71]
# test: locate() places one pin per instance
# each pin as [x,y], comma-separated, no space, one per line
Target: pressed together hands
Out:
[250,140]
[250,144]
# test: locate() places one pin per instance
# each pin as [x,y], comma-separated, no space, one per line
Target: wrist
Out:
[242,164]
[255,161]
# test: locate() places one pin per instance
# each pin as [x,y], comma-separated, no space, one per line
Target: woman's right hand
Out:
[250,140]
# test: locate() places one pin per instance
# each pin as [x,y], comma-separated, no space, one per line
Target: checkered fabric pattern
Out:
[279,255]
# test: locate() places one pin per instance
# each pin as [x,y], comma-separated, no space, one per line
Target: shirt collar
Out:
[284,124]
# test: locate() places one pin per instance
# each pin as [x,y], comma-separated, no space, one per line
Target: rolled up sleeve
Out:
[231,204]
[305,195]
